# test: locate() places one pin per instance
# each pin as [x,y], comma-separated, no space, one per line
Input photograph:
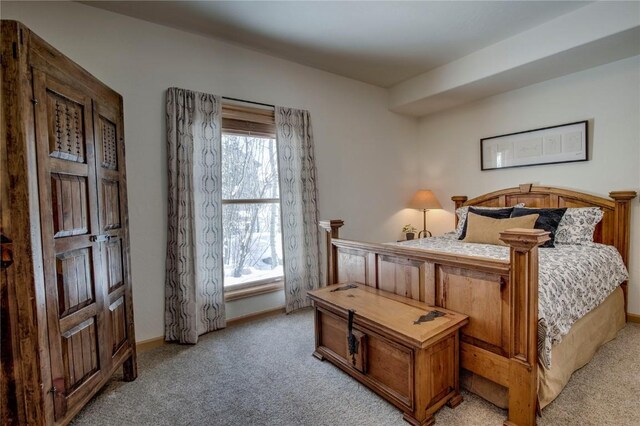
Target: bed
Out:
[503,357]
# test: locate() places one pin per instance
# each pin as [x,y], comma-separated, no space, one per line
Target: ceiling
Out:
[382,43]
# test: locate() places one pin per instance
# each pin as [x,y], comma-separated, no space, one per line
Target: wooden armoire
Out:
[67,315]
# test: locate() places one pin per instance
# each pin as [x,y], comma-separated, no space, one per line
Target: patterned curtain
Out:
[298,203]
[194,296]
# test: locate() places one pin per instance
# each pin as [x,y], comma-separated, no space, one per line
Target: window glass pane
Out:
[249,167]
[252,242]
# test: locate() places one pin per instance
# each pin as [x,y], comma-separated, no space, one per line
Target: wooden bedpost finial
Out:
[623,195]
[525,188]
[331,226]
[459,199]
[524,239]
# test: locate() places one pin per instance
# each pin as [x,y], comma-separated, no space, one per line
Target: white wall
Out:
[363,150]
[608,96]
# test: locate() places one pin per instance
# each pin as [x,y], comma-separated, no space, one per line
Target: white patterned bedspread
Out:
[573,279]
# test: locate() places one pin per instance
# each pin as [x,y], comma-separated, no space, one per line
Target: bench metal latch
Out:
[353,342]
[429,316]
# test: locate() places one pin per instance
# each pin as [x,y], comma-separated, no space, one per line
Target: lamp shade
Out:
[424,199]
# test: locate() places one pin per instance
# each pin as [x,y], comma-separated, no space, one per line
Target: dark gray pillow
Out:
[494,213]
[548,220]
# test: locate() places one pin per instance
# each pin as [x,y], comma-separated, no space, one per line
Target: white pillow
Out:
[462,213]
[578,225]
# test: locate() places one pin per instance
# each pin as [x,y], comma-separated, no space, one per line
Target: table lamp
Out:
[424,199]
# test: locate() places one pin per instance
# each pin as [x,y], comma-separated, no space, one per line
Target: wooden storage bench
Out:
[380,339]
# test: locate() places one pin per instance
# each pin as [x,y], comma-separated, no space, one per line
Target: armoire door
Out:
[112,201]
[71,240]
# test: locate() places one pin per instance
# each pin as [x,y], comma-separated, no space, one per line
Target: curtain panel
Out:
[194,294]
[298,204]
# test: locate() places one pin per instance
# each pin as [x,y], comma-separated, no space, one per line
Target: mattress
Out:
[573,280]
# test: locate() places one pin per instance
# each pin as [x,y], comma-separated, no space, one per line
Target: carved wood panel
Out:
[69,205]
[75,280]
[110,204]
[333,334]
[118,324]
[442,365]
[538,201]
[80,349]
[401,276]
[113,253]
[67,133]
[481,296]
[353,266]
[109,143]
[383,357]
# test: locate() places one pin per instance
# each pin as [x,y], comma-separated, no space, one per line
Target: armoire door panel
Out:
[69,205]
[112,198]
[118,324]
[75,280]
[113,252]
[80,348]
[108,133]
[66,125]
[110,204]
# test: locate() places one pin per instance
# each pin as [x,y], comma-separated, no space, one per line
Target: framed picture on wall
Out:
[565,143]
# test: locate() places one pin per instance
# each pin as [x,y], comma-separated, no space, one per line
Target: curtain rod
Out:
[248,102]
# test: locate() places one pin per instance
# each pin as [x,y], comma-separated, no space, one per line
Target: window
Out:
[252,238]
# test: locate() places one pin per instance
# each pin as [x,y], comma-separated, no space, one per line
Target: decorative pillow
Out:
[548,220]
[462,216]
[578,224]
[486,230]
[503,213]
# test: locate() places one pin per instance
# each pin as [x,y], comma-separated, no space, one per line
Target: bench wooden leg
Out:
[428,421]
[455,401]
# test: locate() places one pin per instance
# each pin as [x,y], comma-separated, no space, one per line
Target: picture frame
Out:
[564,143]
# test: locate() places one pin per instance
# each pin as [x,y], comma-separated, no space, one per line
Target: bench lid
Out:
[389,312]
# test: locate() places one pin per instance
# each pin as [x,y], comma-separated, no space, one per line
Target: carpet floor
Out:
[262,373]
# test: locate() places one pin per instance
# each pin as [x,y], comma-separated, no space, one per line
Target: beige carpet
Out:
[262,373]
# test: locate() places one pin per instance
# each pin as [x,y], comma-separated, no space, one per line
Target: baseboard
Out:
[155,342]
[633,318]
[255,316]
[145,345]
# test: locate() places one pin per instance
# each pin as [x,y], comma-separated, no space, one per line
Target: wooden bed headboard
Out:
[614,229]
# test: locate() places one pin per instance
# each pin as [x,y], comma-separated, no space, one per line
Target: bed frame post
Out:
[459,201]
[621,234]
[523,339]
[332,230]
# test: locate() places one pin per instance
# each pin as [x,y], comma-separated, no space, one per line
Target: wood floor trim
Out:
[145,345]
[255,316]
[633,318]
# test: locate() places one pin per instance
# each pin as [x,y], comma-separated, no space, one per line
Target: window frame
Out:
[260,123]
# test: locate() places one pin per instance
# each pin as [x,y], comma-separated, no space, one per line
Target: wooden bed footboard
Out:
[500,298]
